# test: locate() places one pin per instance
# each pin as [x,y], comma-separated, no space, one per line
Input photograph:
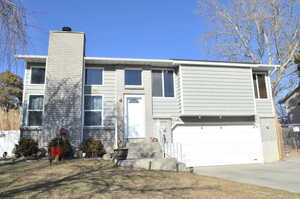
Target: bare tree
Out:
[260,31]
[13,36]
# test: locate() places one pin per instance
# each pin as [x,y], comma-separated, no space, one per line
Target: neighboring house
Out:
[219,113]
[291,106]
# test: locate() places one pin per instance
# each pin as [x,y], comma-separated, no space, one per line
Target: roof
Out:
[155,62]
[289,95]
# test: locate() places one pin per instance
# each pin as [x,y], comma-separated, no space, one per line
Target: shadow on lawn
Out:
[106,180]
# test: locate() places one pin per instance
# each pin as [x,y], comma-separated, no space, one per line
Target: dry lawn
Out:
[10,120]
[98,179]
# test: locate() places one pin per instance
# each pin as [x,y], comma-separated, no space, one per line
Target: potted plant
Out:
[60,147]
[56,148]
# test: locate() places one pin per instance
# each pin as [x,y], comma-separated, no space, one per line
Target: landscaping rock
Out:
[78,154]
[106,157]
[168,164]
[127,163]
[143,163]
[108,149]
[181,167]
[41,153]
[145,149]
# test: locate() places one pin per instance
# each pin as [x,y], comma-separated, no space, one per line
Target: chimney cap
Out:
[66,28]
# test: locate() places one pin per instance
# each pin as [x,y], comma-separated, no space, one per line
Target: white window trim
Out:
[27,111]
[31,67]
[134,86]
[257,86]
[94,85]
[102,111]
[163,83]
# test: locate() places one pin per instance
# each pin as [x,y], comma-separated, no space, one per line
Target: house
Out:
[218,112]
[291,107]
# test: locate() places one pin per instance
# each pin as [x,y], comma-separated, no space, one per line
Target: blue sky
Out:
[117,28]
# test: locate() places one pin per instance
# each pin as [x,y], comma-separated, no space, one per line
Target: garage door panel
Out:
[219,145]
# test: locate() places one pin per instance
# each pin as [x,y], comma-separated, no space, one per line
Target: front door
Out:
[134,116]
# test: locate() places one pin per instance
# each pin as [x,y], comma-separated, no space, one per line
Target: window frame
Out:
[163,82]
[102,76]
[257,86]
[134,86]
[102,111]
[28,110]
[30,78]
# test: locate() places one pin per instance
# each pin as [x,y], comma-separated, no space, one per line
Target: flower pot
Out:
[120,154]
[56,152]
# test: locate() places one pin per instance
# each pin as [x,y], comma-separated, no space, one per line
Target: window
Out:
[162,83]
[260,88]
[92,110]
[37,75]
[93,76]
[133,77]
[35,110]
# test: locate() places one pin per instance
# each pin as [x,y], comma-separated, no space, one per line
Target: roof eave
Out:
[128,61]
[32,58]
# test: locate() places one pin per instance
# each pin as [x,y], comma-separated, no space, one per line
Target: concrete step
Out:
[163,164]
[143,150]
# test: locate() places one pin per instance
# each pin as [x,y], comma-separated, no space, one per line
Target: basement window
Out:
[260,88]
[162,83]
[92,110]
[35,110]
[37,75]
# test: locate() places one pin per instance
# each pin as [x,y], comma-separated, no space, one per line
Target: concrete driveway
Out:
[283,175]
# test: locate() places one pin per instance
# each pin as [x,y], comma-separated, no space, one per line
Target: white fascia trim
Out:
[215,115]
[105,60]
[32,58]
[162,62]
[205,63]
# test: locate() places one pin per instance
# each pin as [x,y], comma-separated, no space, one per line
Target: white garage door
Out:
[219,145]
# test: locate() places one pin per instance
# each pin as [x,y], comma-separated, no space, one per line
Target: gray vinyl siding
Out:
[217,91]
[167,106]
[108,92]
[264,108]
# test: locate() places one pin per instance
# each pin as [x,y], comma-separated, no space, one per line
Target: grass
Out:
[98,179]
[9,120]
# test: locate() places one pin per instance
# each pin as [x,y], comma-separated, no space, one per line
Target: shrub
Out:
[68,151]
[92,147]
[26,147]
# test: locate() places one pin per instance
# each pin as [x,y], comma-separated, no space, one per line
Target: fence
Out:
[291,139]
[173,150]
[8,139]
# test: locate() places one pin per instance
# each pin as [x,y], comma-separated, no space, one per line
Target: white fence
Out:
[8,139]
[173,150]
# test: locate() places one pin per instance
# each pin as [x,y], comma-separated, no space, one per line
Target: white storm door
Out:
[134,116]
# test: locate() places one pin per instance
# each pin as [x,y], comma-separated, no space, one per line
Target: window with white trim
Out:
[260,86]
[35,110]
[93,76]
[92,110]
[133,77]
[162,83]
[37,75]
